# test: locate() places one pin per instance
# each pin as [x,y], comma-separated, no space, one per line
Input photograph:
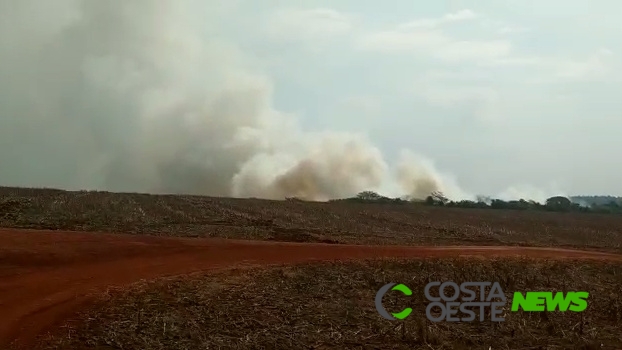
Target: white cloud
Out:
[475,50]
[428,36]
[459,16]
[435,43]
[502,27]
[307,24]
[596,66]
[424,38]
[509,29]
[444,95]
[400,40]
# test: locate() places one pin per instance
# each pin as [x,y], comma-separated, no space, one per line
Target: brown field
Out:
[338,222]
[329,306]
[47,276]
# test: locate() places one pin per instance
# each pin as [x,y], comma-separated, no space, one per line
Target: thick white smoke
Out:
[143,96]
[419,177]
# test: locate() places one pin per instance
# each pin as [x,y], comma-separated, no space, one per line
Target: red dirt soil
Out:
[46,277]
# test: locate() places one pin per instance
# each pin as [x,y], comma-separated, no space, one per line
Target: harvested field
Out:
[339,222]
[46,277]
[330,306]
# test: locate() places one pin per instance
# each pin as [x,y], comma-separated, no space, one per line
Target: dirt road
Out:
[45,277]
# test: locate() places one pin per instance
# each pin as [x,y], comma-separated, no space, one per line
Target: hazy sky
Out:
[499,93]
[507,97]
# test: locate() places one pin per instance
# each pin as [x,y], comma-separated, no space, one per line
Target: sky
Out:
[505,98]
[498,93]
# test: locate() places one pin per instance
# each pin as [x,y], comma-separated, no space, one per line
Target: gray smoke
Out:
[145,96]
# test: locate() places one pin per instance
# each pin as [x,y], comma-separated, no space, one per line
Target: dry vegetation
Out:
[339,222]
[330,306]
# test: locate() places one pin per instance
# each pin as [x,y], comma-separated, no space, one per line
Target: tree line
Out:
[556,203]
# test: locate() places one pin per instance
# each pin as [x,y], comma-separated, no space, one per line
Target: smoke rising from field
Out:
[144,96]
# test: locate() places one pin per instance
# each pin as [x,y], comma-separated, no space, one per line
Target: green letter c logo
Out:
[395,315]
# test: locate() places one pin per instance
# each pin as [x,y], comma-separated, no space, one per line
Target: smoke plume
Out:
[145,96]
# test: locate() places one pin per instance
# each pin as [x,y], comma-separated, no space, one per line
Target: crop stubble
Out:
[330,306]
[337,222]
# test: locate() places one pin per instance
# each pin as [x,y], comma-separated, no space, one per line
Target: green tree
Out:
[368,196]
[560,203]
[439,197]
